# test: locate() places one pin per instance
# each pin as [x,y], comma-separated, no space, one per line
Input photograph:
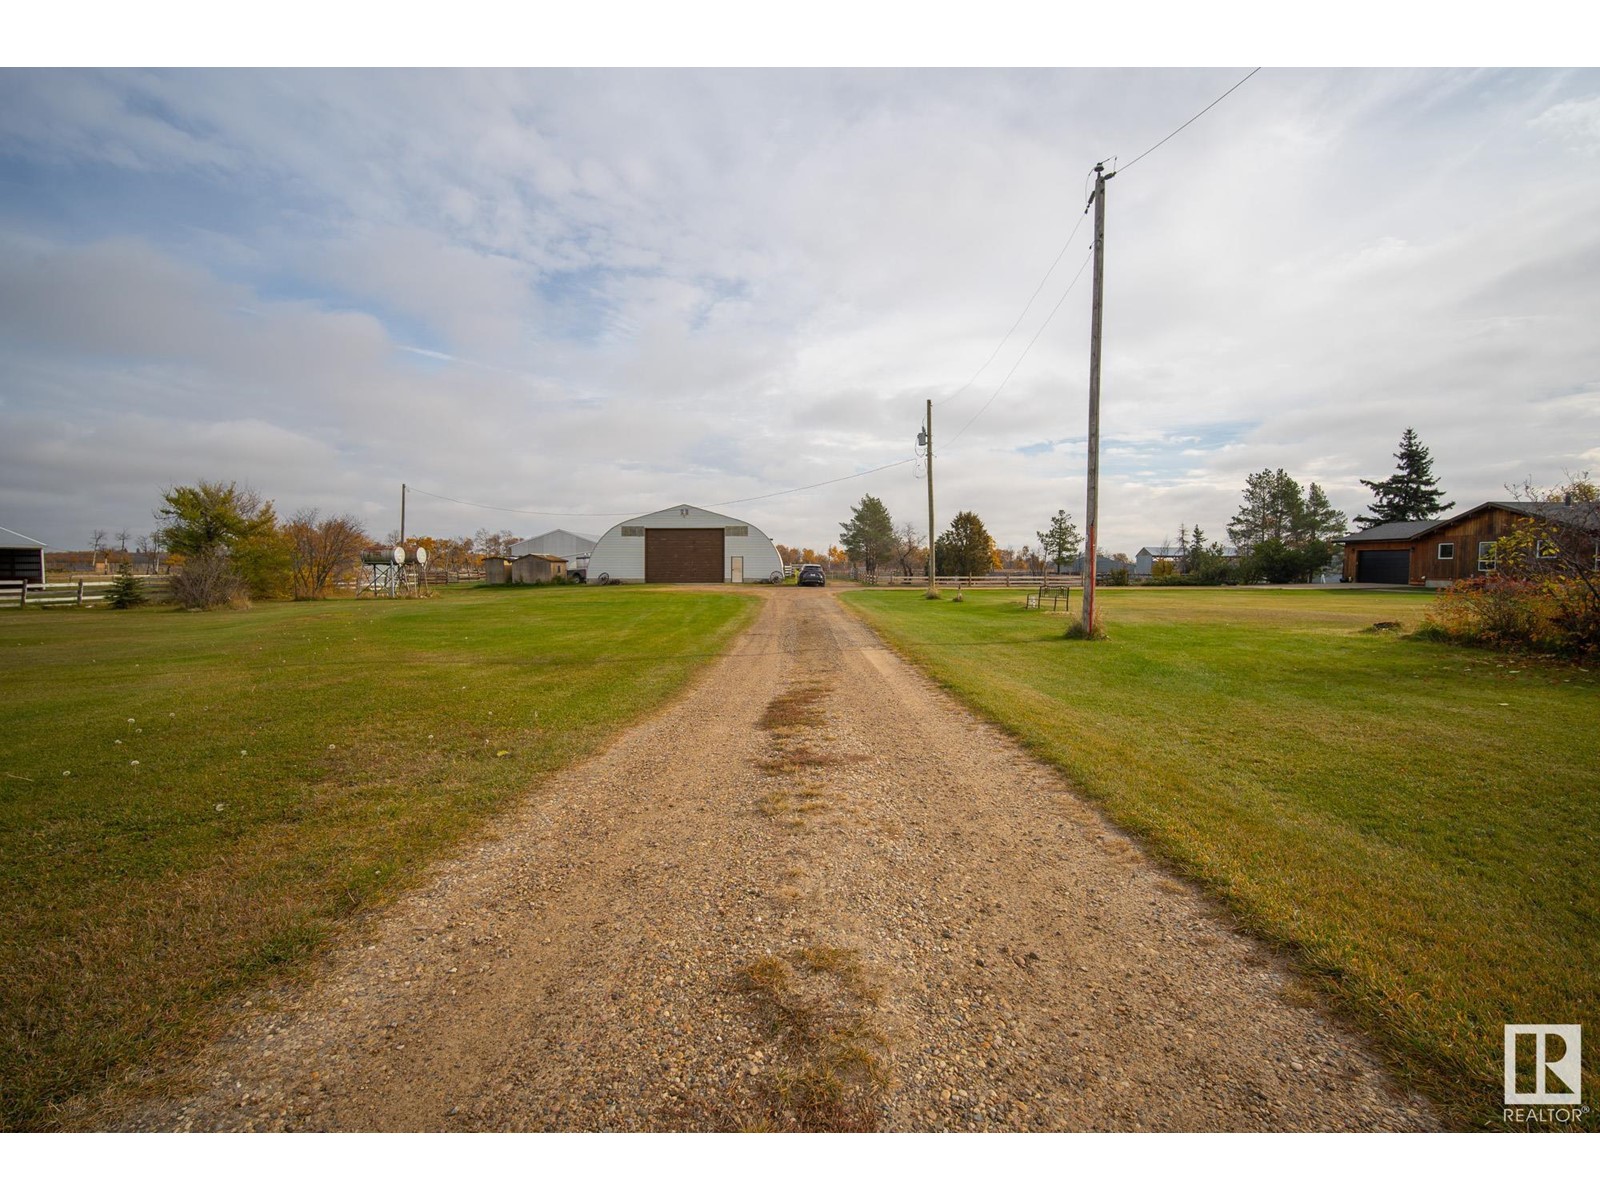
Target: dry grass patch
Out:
[819,1003]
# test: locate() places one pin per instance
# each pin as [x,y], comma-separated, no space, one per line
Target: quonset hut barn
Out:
[684,545]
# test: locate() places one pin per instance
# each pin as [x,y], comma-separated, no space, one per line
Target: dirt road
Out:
[813,894]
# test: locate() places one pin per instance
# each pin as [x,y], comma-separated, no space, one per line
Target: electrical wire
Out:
[1190,121]
[1065,246]
[538,512]
[1025,350]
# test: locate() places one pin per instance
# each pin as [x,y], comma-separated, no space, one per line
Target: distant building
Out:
[537,568]
[1144,562]
[573,548]
[684,544]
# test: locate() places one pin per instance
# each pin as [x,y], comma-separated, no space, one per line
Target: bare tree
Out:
[324,550]
[98,544]
[908,547]
[122,538]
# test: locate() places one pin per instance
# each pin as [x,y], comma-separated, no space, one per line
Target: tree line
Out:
[874,542]
[230,546]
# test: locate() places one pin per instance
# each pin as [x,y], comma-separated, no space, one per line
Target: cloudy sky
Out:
[603,292]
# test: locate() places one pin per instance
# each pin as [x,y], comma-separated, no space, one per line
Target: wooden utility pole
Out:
[402,514]
[1092,507]
[933,564]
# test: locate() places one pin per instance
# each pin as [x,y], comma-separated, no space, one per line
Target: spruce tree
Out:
[1411,493]
[125,590]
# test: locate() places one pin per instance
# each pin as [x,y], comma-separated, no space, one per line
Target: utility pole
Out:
[933,566]
[1092,550]
[402,514]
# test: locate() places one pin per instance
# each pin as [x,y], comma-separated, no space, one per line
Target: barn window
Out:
[1485,556]
[633,531]
[738,531]
[1447,550]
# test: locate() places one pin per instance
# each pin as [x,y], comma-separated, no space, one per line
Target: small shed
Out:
[21,557]
[573,548]
[537,568]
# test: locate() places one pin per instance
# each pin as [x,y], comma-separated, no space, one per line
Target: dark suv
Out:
[811,576]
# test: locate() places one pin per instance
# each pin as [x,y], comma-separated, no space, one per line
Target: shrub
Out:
[1498,610]
[210,580]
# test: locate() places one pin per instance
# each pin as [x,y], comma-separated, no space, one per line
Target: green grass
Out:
[1419,822]
[296,762]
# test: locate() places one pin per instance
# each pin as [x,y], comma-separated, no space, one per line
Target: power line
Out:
[1025,349]
[538,512]
[1065,246]
[1191,120]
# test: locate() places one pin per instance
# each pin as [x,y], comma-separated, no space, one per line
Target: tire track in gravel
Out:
[812,893]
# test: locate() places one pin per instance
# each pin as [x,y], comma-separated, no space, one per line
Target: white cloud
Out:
[612,291]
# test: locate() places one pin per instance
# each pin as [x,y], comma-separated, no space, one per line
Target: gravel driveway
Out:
[813,893]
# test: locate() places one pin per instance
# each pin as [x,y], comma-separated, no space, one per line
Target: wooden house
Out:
[1438,553]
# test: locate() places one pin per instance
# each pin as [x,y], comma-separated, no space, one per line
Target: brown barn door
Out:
[683,556]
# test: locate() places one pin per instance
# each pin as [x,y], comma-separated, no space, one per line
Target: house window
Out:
[1485,556]
[1446,550]
[1545,548]
[633,531]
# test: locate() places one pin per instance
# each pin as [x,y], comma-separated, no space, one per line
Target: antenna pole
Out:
[402,514]
[933,565]
[1092,549]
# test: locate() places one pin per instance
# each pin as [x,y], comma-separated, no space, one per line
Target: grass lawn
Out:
[189,800]
[1418,821]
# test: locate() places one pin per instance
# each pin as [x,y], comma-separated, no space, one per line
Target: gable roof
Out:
[1583,516]
[1391,531]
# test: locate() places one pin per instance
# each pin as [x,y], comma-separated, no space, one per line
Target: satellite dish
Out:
[422,556]
[399,556]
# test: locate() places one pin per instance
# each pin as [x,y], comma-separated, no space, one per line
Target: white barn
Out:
[684,545]
[571,546]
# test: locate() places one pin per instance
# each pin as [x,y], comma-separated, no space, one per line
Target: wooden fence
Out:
[14,593]
[999,580]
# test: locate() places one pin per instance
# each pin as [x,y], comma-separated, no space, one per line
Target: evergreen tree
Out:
[869,536]
[1411,493]
[966,547]
[125,590]
[1060,542]
[1272,510]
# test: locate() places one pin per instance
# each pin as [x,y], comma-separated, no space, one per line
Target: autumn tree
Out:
[868,535]
[1412,493]
[230,542]
[325,551]
[1060,543]
[966,547]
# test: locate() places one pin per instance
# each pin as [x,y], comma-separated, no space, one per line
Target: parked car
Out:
[811,576]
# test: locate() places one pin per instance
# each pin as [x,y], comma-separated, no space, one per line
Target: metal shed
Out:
[684,544]
[574,548]
[21,557]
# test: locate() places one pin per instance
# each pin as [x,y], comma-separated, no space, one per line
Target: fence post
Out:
[80,593]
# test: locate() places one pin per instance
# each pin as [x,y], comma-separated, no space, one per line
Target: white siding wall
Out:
[557,541]
[623,557]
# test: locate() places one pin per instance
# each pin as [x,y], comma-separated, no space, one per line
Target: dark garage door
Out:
[1383,566]
[683,556]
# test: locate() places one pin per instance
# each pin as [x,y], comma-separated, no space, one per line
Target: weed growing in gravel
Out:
[818,1003]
